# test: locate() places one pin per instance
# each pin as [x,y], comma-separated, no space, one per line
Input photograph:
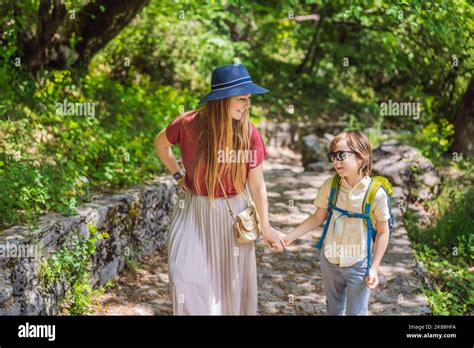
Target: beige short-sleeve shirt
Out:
[346,239]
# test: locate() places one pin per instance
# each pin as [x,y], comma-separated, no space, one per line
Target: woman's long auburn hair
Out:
[217,130]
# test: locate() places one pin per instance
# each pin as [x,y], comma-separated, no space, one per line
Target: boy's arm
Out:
[307,225]
[381,243]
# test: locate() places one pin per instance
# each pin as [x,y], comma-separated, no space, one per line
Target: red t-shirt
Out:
[182,131]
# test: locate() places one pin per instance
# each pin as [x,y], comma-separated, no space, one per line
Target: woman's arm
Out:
[258,191]
[307,225]
[380,246]
[163,151]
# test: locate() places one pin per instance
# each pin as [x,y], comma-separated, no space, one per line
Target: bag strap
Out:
[225,196]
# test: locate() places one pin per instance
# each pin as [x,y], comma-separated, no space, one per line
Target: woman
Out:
[210,272]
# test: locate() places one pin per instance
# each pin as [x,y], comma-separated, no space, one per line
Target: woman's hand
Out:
[274,239]
[182,184]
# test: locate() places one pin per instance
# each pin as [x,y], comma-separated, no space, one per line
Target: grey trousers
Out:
[346,292]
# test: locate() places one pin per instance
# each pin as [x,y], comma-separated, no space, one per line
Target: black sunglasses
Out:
[339,155]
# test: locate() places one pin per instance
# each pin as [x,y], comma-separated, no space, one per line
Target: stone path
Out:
[289,282]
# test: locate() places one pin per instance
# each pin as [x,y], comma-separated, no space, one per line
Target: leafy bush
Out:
[52,161]
[446,248]
[71,265]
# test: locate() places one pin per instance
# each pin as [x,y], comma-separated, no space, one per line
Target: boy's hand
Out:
[372,280]
[287,240]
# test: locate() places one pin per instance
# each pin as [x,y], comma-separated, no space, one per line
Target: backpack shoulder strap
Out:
[332,202]
[367,209]
[336,180]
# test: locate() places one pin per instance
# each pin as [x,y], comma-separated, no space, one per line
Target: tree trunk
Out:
[91,28]
[464,124]
[313,46]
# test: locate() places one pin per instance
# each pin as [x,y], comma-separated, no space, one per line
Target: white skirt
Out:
[209,271]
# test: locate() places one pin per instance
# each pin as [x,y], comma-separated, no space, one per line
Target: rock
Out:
[382,280]
[430,180]
[6,291]
[329,137]
[315,167]
[313,149]
[306,307]
[406,168]
[143,309]
[423,194]
[398,193]
[108,271]
[277,291]
[10,308]
[279,134]
[380,297]
[23,275]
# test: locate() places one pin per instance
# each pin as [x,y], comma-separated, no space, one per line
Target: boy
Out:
[344,259]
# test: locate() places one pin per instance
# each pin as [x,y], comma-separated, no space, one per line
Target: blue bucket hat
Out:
[231,80]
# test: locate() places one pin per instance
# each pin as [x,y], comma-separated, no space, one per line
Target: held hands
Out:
[372,279]
[274,239]
[288,240]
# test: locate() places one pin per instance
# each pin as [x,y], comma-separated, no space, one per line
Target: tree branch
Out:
[93,27]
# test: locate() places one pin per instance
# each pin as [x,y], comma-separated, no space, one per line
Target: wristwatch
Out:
[178,175]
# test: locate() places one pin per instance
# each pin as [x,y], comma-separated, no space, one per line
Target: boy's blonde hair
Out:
[359,143]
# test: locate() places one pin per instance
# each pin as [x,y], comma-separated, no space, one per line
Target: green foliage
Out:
[132,264]
[434,140]
[52,161]
[339,67]
[446,248]
[71,265]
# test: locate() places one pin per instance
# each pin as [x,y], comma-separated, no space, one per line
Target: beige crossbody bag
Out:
[247,223]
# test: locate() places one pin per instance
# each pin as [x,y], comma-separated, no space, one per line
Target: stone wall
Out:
[136,221]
